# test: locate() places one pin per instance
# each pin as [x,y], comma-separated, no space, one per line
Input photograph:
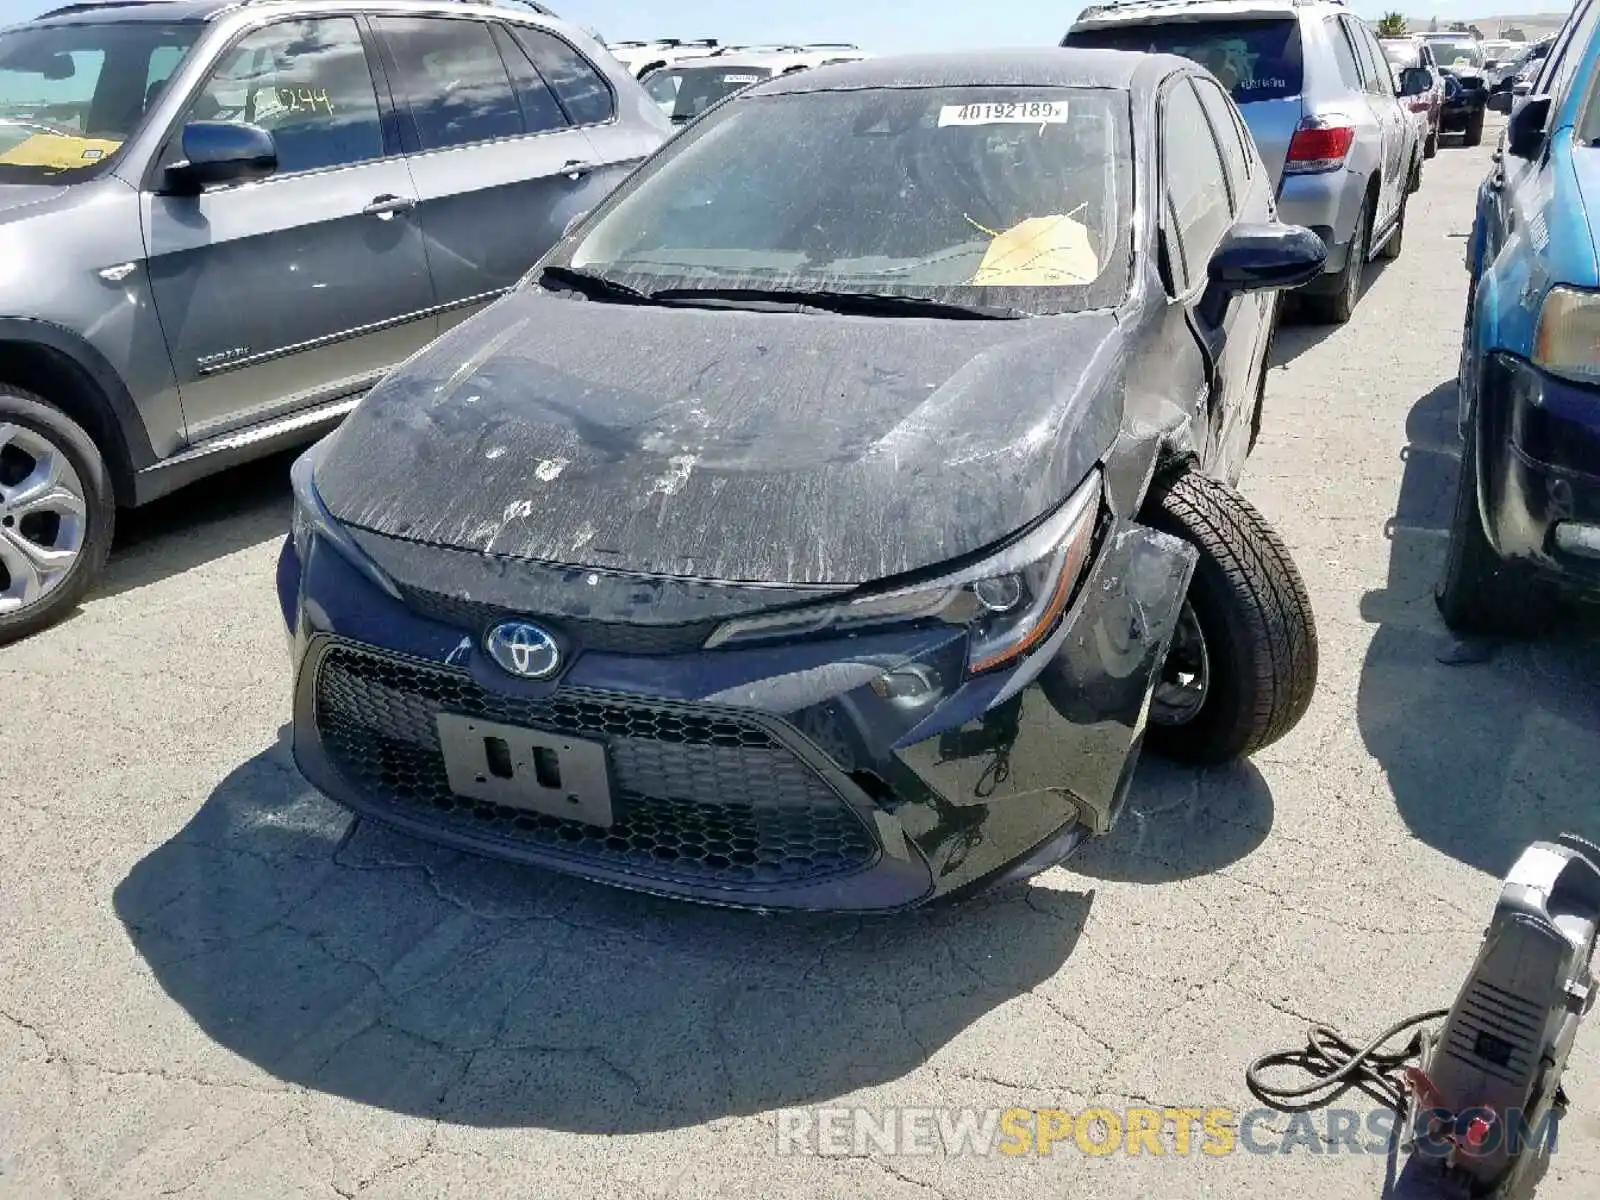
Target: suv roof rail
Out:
[90,6]
[1114,5]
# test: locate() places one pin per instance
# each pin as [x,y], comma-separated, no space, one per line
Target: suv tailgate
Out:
[1256,56]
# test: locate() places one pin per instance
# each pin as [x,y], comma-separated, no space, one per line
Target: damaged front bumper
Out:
[854,773]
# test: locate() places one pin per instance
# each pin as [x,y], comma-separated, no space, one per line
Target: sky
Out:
[883,26]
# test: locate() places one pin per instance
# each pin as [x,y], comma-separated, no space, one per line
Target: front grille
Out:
[699,796]
[1471,85]
[612,637]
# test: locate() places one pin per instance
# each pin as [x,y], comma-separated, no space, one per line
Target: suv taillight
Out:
[1313,150]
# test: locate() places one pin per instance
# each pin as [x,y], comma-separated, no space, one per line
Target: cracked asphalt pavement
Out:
[213,982]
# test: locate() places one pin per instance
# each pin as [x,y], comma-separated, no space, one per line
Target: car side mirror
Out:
[1415,81]
[1500,102]
[1525,133]
[218,152]
[1269,257]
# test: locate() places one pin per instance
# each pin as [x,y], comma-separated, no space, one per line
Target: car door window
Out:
[1374,67]
[1558,79]
[452,79]
[1196,185]
[584,92]
[1235,157]
[541,111]
[305,82]
[1343,54]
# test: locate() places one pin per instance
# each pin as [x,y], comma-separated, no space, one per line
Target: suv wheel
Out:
[1243,663]
[1473,136]
[56,513]
[1391,248]
[1430,148]
[1339,306]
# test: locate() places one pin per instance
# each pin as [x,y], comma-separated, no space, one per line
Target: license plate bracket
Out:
[528,769]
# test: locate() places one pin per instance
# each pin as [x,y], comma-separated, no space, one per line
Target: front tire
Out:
[1430,148]
[57,514]
[1473,136]
[1479,593]
[1243,665]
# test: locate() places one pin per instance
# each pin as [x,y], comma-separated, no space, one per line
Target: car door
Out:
[1250,194]
[1392,124]
[308,285]
[1199,203]
[499,168]
[1517,188]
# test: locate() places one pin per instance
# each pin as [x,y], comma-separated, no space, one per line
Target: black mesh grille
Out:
[698,797]
[605,636]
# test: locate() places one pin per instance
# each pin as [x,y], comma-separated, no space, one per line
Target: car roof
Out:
[1047,66]
[84,12]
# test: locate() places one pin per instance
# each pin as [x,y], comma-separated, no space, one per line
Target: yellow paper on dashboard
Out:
[58,151]
[1039,252]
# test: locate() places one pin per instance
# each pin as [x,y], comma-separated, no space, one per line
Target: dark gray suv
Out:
[221,223]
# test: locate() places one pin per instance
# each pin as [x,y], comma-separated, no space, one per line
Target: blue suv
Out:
[1527,515]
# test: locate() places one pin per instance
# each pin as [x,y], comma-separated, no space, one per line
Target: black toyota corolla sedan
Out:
[830,518]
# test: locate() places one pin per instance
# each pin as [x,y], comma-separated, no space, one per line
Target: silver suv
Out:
[222,222]
[1318,96]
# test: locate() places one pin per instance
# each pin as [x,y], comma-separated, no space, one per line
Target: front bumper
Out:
[1455,114]
[1539,458]
[773,777]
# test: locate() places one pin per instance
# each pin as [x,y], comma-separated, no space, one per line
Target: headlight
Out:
[1010,601]
[1566,340]
[312,522]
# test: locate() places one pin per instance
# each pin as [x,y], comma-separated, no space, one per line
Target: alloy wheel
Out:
[1185,679]
[43,517]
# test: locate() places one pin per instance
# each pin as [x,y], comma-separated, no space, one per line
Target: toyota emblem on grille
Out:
[524,650]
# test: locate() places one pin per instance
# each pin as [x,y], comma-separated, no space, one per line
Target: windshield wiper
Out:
[858,303]
[595,287]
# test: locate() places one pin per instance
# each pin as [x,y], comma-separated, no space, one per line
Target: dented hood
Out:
[740,446]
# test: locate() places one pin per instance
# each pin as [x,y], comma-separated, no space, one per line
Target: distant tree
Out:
[1475,32]
[1393,25]
[1513,33]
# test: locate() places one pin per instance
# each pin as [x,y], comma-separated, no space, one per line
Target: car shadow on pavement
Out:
[342,957]
[1486,747]
[1299,331]
[215,517]
[1181,823]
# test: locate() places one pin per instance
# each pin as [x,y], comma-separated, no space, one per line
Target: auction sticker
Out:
[1025,112]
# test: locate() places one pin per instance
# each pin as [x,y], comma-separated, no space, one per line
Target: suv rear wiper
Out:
[863,303]
[595,287]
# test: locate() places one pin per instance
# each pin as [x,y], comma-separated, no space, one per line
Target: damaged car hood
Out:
[738,446]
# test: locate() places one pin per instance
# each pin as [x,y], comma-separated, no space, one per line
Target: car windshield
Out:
[1463,54]
[1254,59]
[1402,54]
[686,92]
[999,197]
[70,95]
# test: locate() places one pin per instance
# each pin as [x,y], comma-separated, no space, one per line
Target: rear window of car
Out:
[1254,59]
[1401,54]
